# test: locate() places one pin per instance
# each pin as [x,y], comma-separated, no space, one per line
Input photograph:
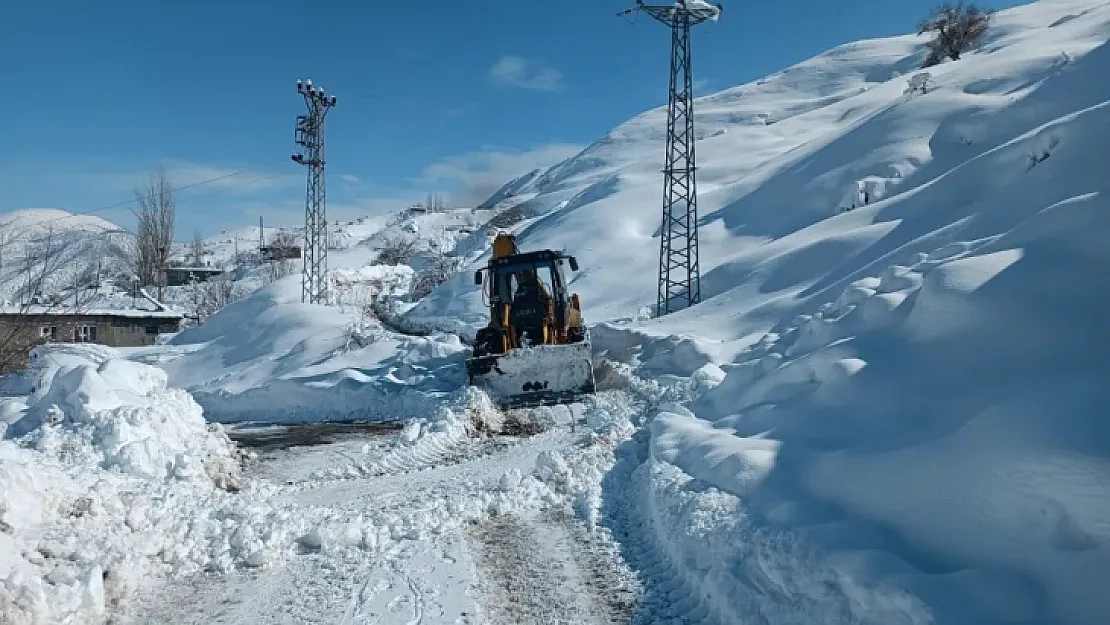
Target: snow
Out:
[47,250]
[269,357]
[701,6]
[889,407]
[92,472]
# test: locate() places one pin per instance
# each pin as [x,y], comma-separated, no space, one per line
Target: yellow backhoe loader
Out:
[535,350]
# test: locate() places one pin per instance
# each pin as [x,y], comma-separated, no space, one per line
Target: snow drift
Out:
[102,472]
[938,428]
[271,358]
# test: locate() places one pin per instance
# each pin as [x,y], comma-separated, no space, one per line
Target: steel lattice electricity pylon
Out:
[679,273]
[310,136]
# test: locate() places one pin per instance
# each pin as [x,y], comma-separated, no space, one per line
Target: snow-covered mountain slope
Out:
[44,251]
[780,157]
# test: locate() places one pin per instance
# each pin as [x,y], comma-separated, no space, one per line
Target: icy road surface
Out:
[471,537]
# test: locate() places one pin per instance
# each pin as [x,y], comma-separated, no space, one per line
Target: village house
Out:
[113,323]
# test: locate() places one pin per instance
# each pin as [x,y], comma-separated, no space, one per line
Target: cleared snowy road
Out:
[465,540]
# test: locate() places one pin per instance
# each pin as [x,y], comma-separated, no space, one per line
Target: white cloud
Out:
[478,174]
[516,71]
[350,179]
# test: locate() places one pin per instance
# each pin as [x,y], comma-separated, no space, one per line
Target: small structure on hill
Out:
[181,276]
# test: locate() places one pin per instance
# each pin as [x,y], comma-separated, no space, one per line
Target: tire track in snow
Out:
[671,594]
[545,570]
[422,456]
[393,596]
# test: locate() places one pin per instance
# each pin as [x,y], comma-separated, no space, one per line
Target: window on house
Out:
[84,334]
[49,333]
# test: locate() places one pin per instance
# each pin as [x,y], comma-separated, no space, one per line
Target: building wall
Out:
[20,333]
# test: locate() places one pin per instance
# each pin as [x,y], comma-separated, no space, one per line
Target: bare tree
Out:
[32,319]
[956,29]
[154,235]
[5,243]
[196,249]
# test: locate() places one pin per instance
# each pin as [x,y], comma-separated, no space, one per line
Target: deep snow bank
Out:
[939,428]
[91,406]
[271,358]
[101,473]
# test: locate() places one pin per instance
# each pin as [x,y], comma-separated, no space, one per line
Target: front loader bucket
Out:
[535,376]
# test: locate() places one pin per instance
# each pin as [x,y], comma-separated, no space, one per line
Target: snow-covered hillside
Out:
[780,157]
[913,390]
[888,409]
[45,251]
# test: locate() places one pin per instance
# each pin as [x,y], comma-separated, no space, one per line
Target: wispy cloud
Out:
[350,179]
[478,174]
[516,71]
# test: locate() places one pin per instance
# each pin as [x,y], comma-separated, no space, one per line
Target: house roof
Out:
[107,302]
[64,311]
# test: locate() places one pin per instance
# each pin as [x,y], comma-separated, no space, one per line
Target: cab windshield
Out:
[509,278]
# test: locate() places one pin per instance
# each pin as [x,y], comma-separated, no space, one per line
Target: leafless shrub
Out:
[398,251]
[210,296]
[956,29]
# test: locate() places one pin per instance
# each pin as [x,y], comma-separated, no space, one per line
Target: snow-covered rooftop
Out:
[107,300]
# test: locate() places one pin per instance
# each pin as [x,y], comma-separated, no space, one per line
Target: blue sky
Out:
[454,97]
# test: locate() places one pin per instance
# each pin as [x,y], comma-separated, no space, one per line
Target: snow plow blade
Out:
[542,375]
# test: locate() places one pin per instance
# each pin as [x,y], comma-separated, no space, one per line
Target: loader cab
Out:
[510,275]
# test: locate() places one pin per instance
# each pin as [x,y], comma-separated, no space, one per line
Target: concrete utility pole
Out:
[679,271]
[310,136]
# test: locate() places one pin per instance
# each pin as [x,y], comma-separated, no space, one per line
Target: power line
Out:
[133,200]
